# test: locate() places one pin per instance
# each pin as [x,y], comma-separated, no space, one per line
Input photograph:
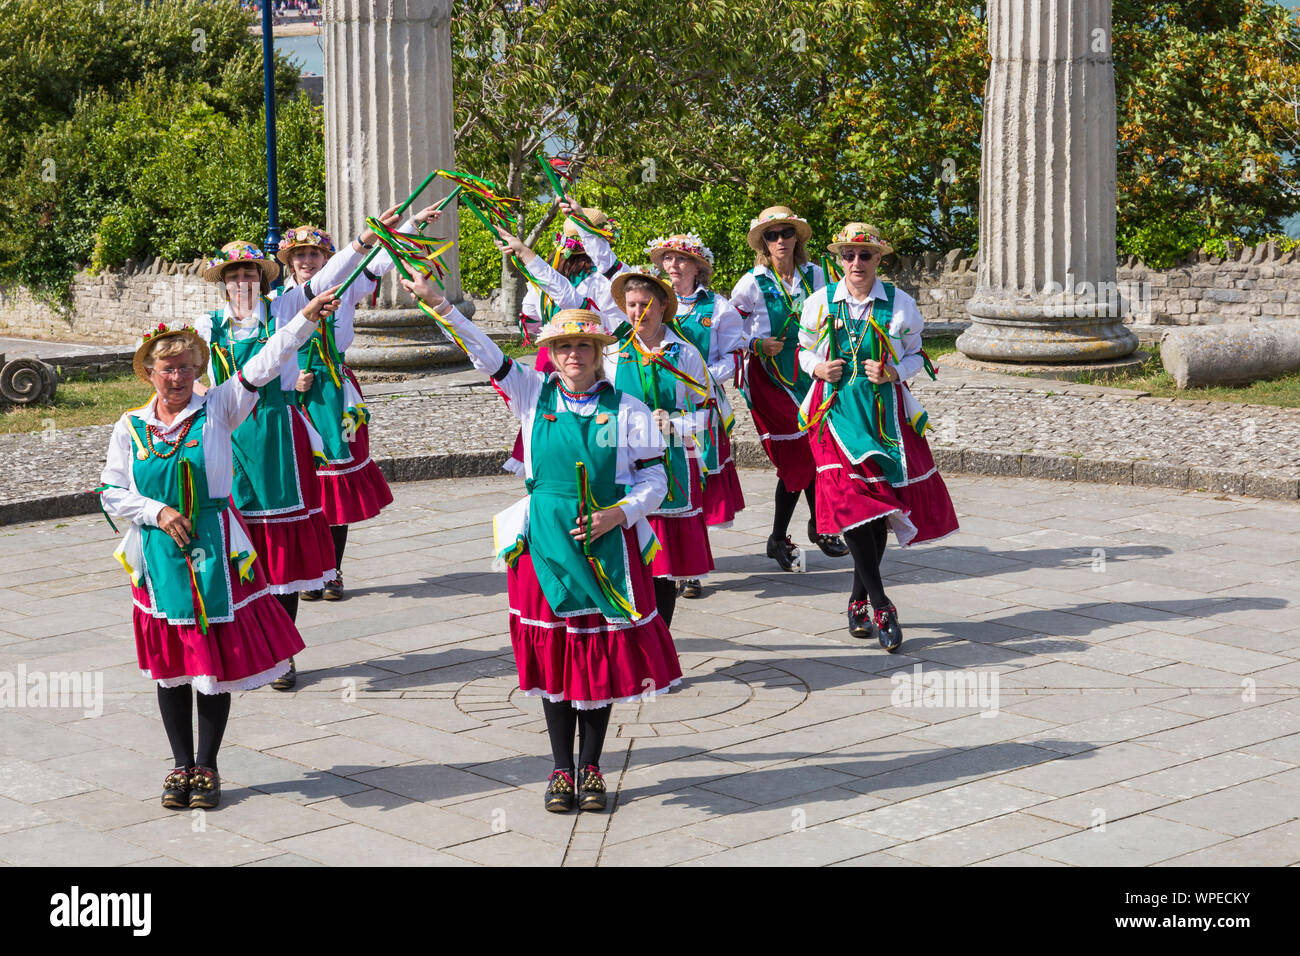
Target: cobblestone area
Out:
[1118,684]
[997,414]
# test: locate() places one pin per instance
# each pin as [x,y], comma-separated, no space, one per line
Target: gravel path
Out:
[458,411]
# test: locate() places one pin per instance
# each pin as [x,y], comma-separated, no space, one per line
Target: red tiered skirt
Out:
[252,650]
[776,416]
[684,552]
[295,548]
[353,490]
[849,495]
[585,659]
[723,496]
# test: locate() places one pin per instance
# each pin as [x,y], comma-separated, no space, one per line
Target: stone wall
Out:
[113,307]
[1256,284]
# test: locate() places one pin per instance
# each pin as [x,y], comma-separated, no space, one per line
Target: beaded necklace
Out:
[153,431]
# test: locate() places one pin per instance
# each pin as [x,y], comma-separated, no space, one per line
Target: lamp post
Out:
[272,244]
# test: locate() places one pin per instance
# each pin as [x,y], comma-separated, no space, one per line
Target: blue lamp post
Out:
[272,244]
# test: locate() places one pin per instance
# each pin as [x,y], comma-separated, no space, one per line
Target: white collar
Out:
[799,276]
[842,292]
[258,316]
[149,416]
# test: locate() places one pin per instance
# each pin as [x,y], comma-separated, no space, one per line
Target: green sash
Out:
[325,403]
[696,327]
[266,473]
[574,580]
[657,387]
[171,588]
[864,416]
[783,313]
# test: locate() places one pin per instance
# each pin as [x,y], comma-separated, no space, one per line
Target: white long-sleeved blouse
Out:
[639,440]
[727,333]
[747,297]
[904,327]
[227,404]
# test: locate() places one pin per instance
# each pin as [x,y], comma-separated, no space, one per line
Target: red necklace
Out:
[153,431]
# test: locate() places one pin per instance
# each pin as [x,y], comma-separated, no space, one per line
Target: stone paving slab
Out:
[1146,708]
[985,424]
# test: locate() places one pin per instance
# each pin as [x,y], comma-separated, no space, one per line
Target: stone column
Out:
[388,122]
[1047,288]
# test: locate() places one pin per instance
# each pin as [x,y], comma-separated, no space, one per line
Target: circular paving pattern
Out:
[715,692]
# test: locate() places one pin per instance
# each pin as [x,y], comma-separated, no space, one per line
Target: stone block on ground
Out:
[1233,353]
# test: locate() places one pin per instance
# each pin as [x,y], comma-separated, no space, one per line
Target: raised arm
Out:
[519,383]
[232,400]
[561,291]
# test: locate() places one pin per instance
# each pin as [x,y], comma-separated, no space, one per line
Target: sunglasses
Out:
[866,255]
[772,235]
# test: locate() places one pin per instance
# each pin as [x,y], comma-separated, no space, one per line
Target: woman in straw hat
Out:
[352,486]
[770,297]
[706,319]
[861,340]
[204,613]
[668,374]
[576,278]
[582,614]
[276,449]
[664,370]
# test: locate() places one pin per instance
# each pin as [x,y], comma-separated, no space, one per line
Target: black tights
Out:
[666,598]
[339,532]
[592,725]
[785,502]
[290,604]
[866,543]
[177,707]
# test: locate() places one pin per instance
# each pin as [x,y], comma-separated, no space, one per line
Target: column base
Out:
[390,340]
[1045,333]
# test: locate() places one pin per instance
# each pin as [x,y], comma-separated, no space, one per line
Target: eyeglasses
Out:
[772,235]
[180,372]
[866,255]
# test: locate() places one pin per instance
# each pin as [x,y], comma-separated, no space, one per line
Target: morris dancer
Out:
[583,260]
[770,296]
[706,319]
[204,613]
[861,340]
[583,622]
[352,486]
[276,449]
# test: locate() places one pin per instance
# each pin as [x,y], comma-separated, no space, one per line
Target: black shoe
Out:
[334,590]
[559,793]
[311,595]
[690,588]
[593,789]
[176,790]
[205,788]
[784,552]
[860,624]
[287,680]
[890,634]
[832,545]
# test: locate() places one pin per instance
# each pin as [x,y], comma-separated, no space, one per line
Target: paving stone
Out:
[1135,841]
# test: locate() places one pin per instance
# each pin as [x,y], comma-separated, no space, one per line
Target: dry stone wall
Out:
[1254,284]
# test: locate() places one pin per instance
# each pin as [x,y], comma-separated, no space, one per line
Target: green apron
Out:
[325,403]
[573,579]
[696,326]
[657,387]
[168,567]
[266,474]
[783,313]
[864,415]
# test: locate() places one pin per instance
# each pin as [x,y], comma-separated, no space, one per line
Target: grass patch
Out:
[939,345]
[78,403]
[1151,377]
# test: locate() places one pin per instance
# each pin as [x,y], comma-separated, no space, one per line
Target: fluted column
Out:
[388,122]
[1047,287]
